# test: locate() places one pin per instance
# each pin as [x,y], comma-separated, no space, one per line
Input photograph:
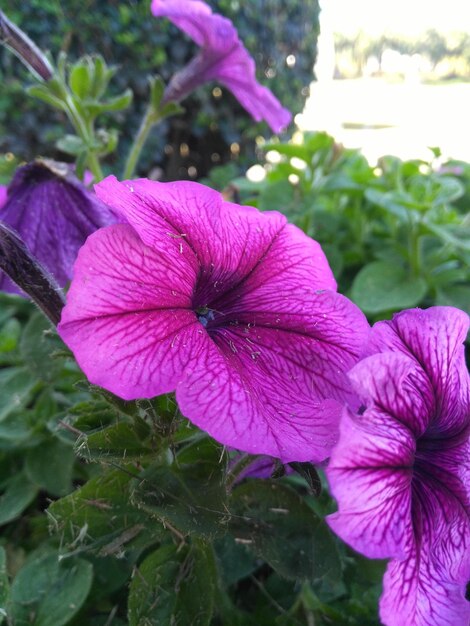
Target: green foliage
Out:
[140,45]
[396,235]
[48,591]
[174,586]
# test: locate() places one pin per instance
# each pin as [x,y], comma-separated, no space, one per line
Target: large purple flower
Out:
[222,57]
[233,309]
[54,213]
[401,469]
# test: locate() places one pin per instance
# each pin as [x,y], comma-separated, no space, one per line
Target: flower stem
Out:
[85,132]
[413,251]
[148,122]
[95,167]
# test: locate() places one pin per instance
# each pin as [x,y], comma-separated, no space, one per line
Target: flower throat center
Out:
[205,315]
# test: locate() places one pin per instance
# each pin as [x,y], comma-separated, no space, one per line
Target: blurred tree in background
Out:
[281,35]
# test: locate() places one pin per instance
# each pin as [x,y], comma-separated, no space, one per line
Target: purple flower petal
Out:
[223,57]
[434,338]
[422,590]
[3,195]
[401,468]
[53,213]
[370,473]
[134,332]
[221,304]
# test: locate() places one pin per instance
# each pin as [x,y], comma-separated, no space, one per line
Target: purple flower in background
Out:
[401,469]
[54,213]
[224,305]
[222,57]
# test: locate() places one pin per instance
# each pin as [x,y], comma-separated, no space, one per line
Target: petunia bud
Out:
[25,271]
[26,50]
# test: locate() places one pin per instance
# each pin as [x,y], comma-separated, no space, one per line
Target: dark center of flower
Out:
[205,315]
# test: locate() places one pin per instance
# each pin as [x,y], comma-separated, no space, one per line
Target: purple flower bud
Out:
[26,50]
[29,275]
[53,212]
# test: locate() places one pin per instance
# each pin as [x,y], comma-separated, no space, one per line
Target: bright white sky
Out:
[406,17]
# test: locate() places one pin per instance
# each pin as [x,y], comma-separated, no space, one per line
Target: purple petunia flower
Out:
[233,309]
[3,195]
[401,469]
[222,57]
[54,213]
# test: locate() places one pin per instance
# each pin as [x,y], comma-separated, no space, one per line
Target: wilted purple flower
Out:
[222,304]
[222,57]
[401,469]
[53,213]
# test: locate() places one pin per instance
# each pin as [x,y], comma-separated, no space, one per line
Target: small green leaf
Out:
[381,286]
[120,441]
[38,343]
[96,107]
[16,385]
[280,527]
[42,93]
[18,493]
[80,79]
[49,465]
[51,590]
[174,587]
[71,144]
[169,109]
[157,88]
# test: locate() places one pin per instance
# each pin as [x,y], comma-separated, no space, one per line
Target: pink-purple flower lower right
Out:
[400,471]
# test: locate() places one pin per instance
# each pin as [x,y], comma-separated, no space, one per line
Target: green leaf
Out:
[169,109]
[277,196]
[49,465]
[80,79]
[380,286]
[71,144]
[99,515]
[118,103]
[299,151]
[18,493]
[120,441]
[454,295]
[391,201]
[280,527]
[4,585]
[173,587]
[16,385]
[37,344]
[191,497]
[457,236]
[9,335]
[49,592]
[42,93]
[236,560]
[157,89]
